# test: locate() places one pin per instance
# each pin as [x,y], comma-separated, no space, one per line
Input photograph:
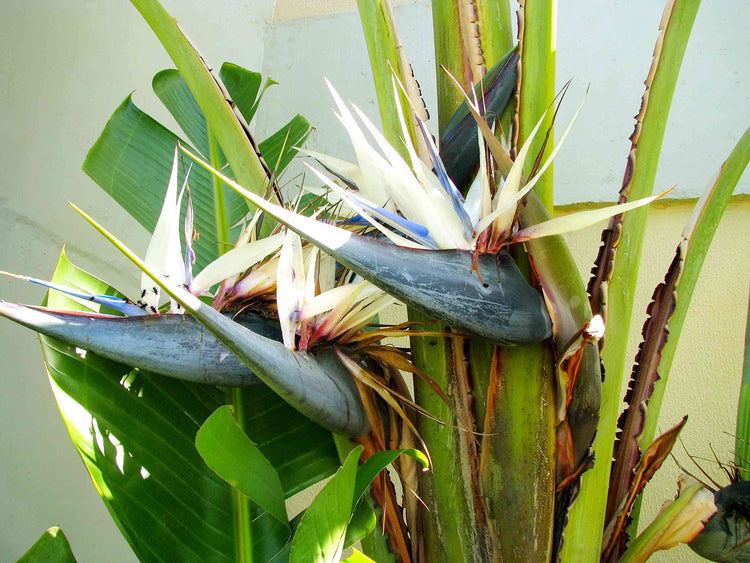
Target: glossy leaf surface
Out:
[233,456]
[135,432]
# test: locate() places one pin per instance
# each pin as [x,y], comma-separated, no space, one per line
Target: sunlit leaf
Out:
[232,455]
[51,547]
[135,432]
[321,532]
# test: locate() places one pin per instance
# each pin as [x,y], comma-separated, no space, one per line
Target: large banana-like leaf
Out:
[243,85]
[135,432]
[131,158]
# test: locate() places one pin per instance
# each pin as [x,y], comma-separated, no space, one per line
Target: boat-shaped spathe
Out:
[178,346]
[494,303]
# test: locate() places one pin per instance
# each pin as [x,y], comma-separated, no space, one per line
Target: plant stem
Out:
[536,32]
[742,438]
[222,231]
[240,504]
[586,518]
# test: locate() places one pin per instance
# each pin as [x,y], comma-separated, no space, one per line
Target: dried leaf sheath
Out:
[651,460]
[601,273]
[643,377]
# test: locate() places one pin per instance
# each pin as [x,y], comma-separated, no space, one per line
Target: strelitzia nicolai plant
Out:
[490,494]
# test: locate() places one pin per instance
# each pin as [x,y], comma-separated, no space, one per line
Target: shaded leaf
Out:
[131,161]
[361,524]
[277,150]
[172,91]
[245,88]
[232,455]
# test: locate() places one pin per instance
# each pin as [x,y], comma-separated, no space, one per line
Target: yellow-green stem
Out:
[537,22]
[243,547]
[222,230]
[586,518]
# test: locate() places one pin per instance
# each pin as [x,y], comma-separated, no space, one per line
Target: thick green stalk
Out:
[222,229]
[699,233]
[233,139]
[512,396]
[517,470]
[383,50]
[586,519]
[536,33]
[742,434]
[450,527]
[467,46]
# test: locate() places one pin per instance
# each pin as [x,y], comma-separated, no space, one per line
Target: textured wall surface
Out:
[69,65]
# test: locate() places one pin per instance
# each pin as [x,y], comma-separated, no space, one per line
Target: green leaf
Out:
[364,519]
[698,233]
[321,532]
[135,433]
[244,86]
[697,236]
[586,518]
[131,161]
[232,455]
[227,208]
[172,91]
[229,132]
[742,437]
[362,523]
[277,149]
[51,547]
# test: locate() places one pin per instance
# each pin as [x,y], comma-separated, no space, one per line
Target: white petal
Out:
[235,261]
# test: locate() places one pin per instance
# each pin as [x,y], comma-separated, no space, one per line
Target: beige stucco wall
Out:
[66,69]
